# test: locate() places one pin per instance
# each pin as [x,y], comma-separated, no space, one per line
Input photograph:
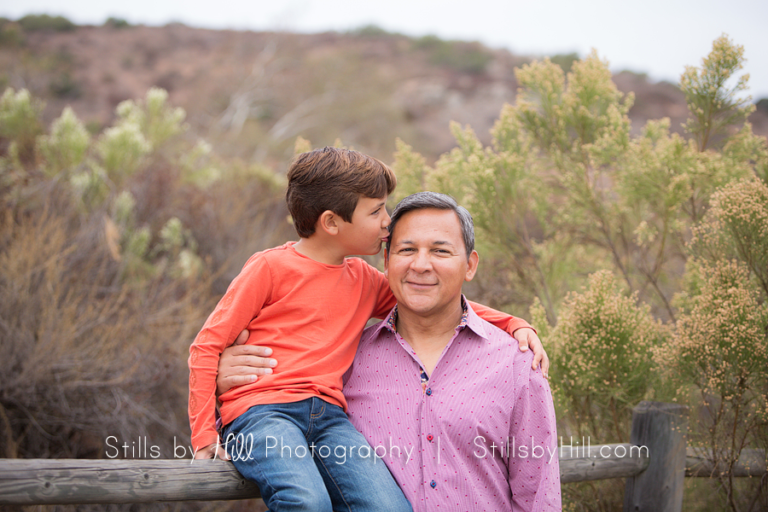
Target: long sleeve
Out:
[534,469]
[246,295]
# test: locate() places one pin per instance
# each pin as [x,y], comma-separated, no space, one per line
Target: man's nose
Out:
[421,261]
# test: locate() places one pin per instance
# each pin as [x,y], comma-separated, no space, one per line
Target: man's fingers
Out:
[232,381]
[249,350]
[246,369]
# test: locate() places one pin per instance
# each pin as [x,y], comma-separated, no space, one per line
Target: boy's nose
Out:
[387,219]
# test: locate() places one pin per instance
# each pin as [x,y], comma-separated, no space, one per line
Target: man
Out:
[447,400]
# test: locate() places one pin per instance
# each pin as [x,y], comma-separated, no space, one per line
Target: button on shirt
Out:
[478,435]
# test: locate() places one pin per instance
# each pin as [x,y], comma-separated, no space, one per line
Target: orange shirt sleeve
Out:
[500,319]
[246,295]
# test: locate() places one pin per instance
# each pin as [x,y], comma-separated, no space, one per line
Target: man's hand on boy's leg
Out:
[242,364]
[212,451]
[528,338]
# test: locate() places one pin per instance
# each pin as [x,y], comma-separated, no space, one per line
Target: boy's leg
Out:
[268,446]
[356,479]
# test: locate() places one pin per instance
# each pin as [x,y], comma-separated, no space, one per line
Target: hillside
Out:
[252,94]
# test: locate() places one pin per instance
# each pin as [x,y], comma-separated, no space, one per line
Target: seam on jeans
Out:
[330,477]
[313,416]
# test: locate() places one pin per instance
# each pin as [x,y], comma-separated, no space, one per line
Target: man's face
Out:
[428,262]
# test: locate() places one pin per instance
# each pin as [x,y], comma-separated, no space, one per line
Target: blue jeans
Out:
[307,456]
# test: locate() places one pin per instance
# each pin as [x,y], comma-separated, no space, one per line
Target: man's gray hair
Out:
[424,200]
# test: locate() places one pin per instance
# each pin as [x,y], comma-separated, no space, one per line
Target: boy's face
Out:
[368,229]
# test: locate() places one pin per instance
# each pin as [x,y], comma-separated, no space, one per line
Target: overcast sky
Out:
[658,37]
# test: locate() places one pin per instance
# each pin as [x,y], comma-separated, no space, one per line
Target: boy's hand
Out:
[242,364]
[528,338]
[212,451]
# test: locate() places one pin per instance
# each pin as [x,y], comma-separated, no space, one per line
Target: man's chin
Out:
[419,305]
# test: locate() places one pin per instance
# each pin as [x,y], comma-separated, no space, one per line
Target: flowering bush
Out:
[566,191]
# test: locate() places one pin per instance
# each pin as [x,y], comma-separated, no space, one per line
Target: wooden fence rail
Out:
[654,464]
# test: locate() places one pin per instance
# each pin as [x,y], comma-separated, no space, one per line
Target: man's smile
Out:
[420,285]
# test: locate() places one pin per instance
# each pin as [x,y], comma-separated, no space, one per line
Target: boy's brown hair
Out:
[333,179]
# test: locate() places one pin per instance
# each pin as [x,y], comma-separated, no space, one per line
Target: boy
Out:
[307,301]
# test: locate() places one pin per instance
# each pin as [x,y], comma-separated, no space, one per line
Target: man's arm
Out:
[534,473]
[520,329]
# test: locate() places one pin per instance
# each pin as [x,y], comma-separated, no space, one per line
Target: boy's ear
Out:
[328,222]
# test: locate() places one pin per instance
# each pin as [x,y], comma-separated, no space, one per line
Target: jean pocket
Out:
[315,415]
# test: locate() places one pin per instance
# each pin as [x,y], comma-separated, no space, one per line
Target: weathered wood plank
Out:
[698,462]
[580,464]
[42,481]
[73,481]
[662,428]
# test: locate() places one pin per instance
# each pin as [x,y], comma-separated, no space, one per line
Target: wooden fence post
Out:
[662,428]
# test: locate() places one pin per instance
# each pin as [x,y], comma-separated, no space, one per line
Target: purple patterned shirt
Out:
[478,435]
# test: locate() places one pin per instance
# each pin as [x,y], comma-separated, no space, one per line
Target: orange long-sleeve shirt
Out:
[311,314]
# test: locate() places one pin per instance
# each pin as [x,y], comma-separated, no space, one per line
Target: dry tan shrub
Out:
[83,358]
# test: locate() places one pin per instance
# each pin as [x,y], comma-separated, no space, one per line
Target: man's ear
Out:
[328,222]
[386,262]
[472,262]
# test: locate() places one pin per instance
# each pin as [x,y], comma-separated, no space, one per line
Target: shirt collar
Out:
[468,319]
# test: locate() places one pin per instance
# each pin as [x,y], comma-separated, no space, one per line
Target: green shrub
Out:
[64,86]
[11,34]
[372,31]
[65,148]
[19,122]
[565,190]
[565,60]
[122,148]
[719,360]
[713,106]
[36,22]
[602,365]
[116,22]
[466,57]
